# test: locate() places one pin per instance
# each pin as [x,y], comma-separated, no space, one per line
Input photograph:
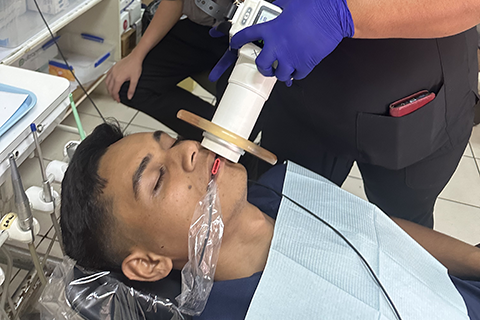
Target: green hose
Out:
[81,132]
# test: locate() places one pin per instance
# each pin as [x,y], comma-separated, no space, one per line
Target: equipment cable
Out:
[216,165]
[66,62]
[382,288]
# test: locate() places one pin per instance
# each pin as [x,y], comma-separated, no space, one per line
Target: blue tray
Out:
[27,105]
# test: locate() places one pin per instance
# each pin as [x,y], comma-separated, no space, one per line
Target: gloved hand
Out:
[214,33]
[228,58]
[221,30]
[299,38]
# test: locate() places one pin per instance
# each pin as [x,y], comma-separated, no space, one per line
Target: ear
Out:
[146,266]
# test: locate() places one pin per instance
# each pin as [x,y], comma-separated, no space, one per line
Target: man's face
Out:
[155,183]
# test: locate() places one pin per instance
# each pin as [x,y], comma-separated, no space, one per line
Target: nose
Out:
[189,153]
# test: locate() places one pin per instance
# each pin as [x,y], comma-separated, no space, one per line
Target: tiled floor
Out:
[457,211]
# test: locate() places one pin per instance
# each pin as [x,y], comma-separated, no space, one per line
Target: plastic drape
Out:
[72,293]
[204,241]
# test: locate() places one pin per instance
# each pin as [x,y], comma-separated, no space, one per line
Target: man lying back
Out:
[127,205]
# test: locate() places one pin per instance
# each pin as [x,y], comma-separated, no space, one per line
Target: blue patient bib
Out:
[311,273]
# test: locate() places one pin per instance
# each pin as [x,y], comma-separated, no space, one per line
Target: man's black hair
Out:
[86,219]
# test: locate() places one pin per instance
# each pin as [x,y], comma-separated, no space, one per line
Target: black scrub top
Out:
[342,106]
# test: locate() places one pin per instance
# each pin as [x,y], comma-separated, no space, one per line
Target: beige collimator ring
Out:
[228,136]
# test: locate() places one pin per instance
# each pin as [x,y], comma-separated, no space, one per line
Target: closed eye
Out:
[159,180]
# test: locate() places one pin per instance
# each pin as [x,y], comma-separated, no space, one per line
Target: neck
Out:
[245,245]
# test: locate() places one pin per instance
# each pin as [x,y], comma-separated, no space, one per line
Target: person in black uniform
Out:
[170,50]
[336,110]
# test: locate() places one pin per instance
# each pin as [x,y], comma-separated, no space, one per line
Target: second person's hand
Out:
[298,39]
[127,69]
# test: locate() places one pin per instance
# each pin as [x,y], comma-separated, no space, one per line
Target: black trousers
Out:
[186,50]
[409,193]
[340,113]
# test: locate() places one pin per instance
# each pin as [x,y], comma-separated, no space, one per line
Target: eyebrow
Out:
[156,135]
[139,172]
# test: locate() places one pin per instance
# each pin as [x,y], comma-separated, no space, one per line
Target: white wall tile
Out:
[150,124]
[31,176]
[45,222]
[18,278]
[355,172]
[89,122]
[56,250]
[14,273]
[458,220]
[108,107]
[12,276]
[203,94]
[468,150]
[464,186]
[475,141]
[354,186]
[52,147]
[30,172]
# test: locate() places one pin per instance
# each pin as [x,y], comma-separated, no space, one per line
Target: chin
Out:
[237,172]
[232,186]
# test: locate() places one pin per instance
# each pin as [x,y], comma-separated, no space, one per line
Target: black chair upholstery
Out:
[103,297]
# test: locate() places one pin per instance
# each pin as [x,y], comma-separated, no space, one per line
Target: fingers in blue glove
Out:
[265,61]
[214,33]
[284,72]
[302,35]
[281,3]
[300,74]
[229,58]
[247,35]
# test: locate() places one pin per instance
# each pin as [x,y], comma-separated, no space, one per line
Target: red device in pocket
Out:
[411,103]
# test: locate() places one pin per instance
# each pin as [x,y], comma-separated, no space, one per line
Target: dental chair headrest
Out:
[103,295]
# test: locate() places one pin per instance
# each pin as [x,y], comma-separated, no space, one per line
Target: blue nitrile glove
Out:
[299,38]
[220,30]
[228,58]
[214,33]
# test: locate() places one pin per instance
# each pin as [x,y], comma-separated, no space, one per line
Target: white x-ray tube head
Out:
[241,103]
[247,88]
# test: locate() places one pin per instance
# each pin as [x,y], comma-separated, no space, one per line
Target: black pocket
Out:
[395,143]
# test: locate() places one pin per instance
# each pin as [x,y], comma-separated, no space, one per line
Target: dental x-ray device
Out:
[227,134]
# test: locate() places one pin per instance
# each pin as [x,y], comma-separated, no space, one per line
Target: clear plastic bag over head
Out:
[72,293]
[204,241]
